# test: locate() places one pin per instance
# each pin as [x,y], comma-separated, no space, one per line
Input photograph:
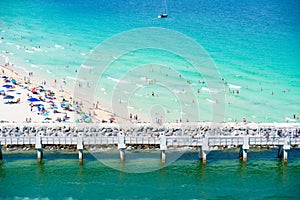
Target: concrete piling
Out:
[243,149]
[80,149]
[121,146]
[1,157]
[39,147]
[163,147]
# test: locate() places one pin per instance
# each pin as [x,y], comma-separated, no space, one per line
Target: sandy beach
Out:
[24,99]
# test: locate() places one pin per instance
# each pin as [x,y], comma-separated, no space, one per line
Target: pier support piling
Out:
[243,149]
[280,152]
[203,151]
[80,149]
[163,156]
[39,147]
[121,146]
[202,155]
[285,156]
[39,155]
[122,155]
[1,158]
[286,147]
[163,147]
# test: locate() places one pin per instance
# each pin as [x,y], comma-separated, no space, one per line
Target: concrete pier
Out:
[163,147]
[39,147]
[121,146]
[80,149]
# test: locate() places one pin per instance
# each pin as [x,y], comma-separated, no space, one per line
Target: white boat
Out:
[165,13]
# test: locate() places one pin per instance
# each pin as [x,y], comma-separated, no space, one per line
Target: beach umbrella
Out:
[7,86]
[13,81]
[33,99]
[33,90]
[4,77]
[8,97]
[2,91]
[88,120]
[112,119]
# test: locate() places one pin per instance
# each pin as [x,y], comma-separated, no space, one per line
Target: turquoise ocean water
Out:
[254,44]
[224,177]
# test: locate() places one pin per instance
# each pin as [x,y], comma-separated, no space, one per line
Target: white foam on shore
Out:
[83,54]
[48,71]
[210,90]
[178,91]
[36,49]
[28,51]
[113,79]
[34,66]
[87,67]
[139,85]
[234,86]
[18,47]
[290,119]
[211,101]
[59,46]
[9,43]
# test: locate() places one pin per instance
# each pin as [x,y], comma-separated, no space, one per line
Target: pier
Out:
[204,136]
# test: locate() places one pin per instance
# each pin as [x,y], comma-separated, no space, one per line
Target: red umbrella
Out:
[33,90]
[112,119]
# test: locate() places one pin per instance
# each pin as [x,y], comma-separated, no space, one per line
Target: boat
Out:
[165,13]
[162,15]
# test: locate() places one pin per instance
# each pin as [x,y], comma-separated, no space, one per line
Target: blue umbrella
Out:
[8,97]
[2,91]
[33,99]
[13,81]
[7,86]
[4,77]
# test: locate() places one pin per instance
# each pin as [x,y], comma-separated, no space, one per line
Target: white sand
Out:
[20,111]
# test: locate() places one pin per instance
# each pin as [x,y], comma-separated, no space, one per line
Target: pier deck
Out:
[205,136]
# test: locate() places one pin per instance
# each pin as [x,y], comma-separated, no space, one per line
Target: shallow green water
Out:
[224,177]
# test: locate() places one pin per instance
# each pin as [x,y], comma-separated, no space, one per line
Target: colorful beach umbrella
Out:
[8,97]
[33,99]
[7,86]
[112,119]
[4,77]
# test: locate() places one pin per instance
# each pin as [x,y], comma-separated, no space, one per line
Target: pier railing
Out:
[137,140]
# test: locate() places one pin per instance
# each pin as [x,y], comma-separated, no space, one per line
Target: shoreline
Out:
[31,81]
[95,111]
